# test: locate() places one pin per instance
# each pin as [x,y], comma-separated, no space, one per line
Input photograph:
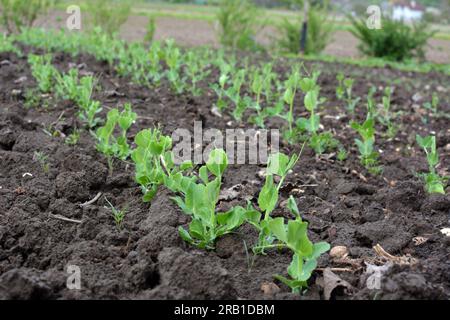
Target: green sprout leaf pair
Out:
[43,71]
[344,91]
[151,147]
[88,108]
[109,144]
[433,182]
[319,142]
[279,165]
[199,198]
[369,157]
[293,235]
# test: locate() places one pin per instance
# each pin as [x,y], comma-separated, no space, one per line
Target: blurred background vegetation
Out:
[295,26]
[438,10]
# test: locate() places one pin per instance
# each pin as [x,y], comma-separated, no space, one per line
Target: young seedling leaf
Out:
[277,227]
[217,162]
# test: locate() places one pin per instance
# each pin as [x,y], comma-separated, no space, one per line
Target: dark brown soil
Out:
[146,259]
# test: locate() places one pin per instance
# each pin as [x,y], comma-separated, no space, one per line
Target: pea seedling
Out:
[88,108]
[67,85]
[43,71]
[234,94]
[261,85]
[433,182]
[433,108]
[257,85]
[344,92]
[342,154]
[366,147]
[279,165]
[195,71]
[199,200]
[7,45]
[340,91]
[133,61]
[292,85]
[385,116]
[172,57]
[320,142]
[154,68]
[107,143]
[293,236]
[151,146]
[371,105]
[269,77]
[433,105]
[219,88]
[33,99]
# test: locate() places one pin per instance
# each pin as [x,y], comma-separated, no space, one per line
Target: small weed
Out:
[42,159]
[118,215]
[433,182]
[369,157]
[73,138]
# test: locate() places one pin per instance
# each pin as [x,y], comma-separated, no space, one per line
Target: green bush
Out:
[289,41]
[151,28]
[7,45]
[319,32]
[237,21]
[16,14]
[108,14]
[395,40]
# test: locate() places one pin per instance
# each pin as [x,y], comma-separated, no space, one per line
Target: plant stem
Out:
[269,246]
[291,115]
[110,165]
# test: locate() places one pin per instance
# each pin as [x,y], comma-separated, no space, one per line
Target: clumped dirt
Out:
[146,259]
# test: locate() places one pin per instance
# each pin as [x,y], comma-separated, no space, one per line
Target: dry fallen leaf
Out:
[331,282]
[230,193]
[19,190]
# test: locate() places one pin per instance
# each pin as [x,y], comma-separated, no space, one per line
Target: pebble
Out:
[339,252]
[269,288]
[446,232]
